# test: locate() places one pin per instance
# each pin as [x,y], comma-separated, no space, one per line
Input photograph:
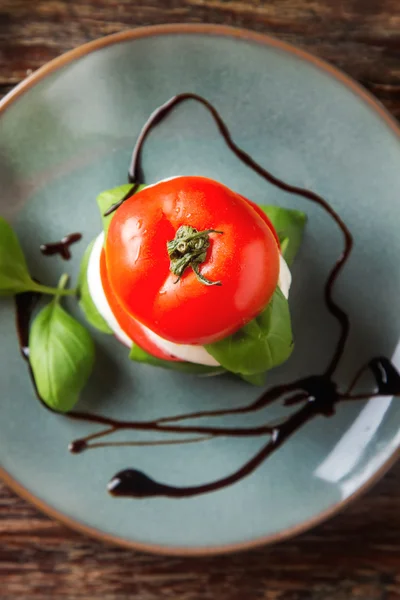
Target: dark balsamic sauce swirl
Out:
[62,247]
[136,176]
[318,394]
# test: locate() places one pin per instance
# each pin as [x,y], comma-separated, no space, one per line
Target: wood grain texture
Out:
[356,555]
[360,36]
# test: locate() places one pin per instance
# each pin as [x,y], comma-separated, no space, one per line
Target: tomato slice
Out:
[163,229]
[128,324]
[264,217]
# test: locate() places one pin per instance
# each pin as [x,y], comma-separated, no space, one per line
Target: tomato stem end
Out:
[189,249]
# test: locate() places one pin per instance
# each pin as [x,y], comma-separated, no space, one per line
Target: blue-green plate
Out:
[66,134]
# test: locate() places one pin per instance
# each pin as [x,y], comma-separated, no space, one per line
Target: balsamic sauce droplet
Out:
[386,376]
[136,484]
[322,392]
[62,247]
[77,446]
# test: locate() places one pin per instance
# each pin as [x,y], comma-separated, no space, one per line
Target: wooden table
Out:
[354,556]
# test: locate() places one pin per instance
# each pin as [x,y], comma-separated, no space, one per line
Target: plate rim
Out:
[265,40]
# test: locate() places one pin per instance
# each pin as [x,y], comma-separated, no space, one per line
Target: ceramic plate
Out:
[66,134]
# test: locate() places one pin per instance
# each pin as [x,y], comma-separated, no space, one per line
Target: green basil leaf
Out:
[106,199]
[262,344]
[284,246]
[289,225]
[256,379]
[61,354]
[139,355]
[85,299]
[14,274]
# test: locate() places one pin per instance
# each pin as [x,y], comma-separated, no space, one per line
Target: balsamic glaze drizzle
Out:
[62,247]
[318,394]
[136,176]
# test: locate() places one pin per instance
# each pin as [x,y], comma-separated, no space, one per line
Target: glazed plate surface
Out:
[67,135]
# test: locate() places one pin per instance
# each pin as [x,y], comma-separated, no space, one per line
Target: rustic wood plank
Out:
[360,36]
[356,555]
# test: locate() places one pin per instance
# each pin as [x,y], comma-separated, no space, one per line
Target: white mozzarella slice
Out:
[285,277]
[187,352]
[163,181]
[97,293]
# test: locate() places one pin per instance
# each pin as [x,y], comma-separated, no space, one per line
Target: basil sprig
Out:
[61,354]
[61,351]
[14,273]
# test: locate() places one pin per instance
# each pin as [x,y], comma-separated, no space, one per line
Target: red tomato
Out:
[128,324]
[264,217]
[243,260]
